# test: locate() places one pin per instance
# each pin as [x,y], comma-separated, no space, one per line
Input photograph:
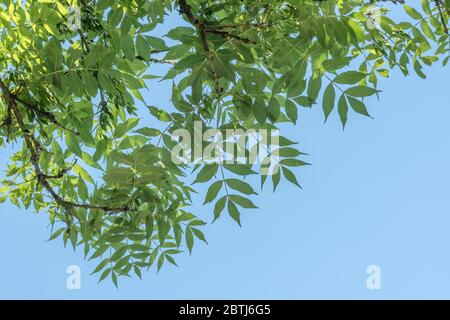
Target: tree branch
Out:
[50,116]
[441,14]
[227,34]
[32,145]
[202,30]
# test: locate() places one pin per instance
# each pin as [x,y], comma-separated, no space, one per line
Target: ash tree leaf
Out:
[101,265]
[149,132]
[82,189]
[160,262]
[413,13]
[361,91]
[199,234]
[127,45]
[291,111]
[333,64]
[426,7]
[276,178]
[142,47]
[259,110]
[242,201]
[358,106]
[170,259]
[288,152]
[274,109]
[225,69]
[290,176]
[213,190]
[343,109]
[114,279]
[219,206]
[149,225]
[105,274]
[314,86]
[240,186]
[206,173]
[189,237]
[290,162]
[80,95]
[56,234]
[349,77]
[329,97]
[234,212]
[239,169]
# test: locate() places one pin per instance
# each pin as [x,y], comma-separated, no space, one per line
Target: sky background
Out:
[377,193]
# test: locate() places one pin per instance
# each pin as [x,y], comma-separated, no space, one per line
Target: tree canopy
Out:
[75,73]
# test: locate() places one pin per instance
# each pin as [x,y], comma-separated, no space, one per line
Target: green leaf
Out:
[361,91]
[242,201]
[101,265]
[239,169]
[56,234]
[290,162]
[234,212]
[148,132]
[105,274]
[199,234]
[149,225]
[240,186]
[276,177]
[114,279]
[73,144]
[218,208]
[314,86]
[336,63]
[413,13]
[358,106]
[206,173]
[143,48]
[288,152]
[213,190]
[82,189]
[170,259]
[119,253]
[418,69]
[291,111]
[225,69]
[127,44]
[259,110]
[426,7]
[90,83]
[290,176]
[343,110]
[160,261]
[349,77]
[274,109]
[328,100]
[119,175]
[427,30]
[189,239]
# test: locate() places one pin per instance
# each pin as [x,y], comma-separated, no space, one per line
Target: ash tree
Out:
[74,74]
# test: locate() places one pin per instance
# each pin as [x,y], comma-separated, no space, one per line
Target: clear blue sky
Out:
[377,193]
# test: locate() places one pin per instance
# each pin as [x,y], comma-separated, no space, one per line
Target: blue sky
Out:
[377,193]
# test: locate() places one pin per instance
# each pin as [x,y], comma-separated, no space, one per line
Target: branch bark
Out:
[186,9]
[441,14]
[33,147]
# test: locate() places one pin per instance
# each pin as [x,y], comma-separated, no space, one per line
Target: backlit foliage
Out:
[70,91]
